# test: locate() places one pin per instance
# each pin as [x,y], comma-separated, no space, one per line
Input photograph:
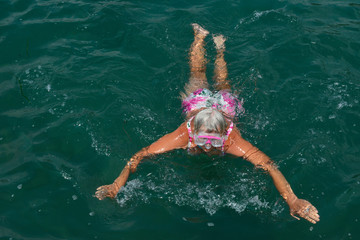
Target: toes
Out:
[195,26]
[219,41]
[199,30]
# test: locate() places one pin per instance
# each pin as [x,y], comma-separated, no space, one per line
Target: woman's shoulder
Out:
[182,127]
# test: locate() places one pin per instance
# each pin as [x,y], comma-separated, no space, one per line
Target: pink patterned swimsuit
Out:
[222,101]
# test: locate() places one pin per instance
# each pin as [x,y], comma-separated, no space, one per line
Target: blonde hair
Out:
[210,120]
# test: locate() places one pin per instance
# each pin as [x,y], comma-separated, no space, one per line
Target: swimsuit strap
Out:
[227,135]
[230,129]
[188,126]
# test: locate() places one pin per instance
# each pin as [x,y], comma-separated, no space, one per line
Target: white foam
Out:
[257,202]
[240,194]
[256,15]
[100,148]
[131,191]
[238,207]
[65,175]
[343,104]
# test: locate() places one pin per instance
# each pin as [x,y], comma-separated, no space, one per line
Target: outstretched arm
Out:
[242,148]
[175,140]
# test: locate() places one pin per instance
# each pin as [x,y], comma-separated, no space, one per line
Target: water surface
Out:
[86,84]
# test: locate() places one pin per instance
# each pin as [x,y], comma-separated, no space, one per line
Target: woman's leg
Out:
[220,71]
[197,61]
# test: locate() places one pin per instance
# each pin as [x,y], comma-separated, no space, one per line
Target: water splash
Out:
[100,148]
[209,196]
[278,15]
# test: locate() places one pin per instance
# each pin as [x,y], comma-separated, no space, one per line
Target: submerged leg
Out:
[220,71]
[197,61]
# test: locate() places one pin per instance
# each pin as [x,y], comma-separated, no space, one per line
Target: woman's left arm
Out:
[238,146]
[171,141]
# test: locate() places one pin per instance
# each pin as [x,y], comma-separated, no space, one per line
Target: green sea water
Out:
[85,84]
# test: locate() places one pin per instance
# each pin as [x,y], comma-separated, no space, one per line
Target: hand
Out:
[106,191]
[304,209]
[112,189]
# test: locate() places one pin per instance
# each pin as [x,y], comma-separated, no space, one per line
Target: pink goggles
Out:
[215,139]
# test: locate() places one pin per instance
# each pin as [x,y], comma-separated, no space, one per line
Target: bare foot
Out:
[219,41]
[198,30]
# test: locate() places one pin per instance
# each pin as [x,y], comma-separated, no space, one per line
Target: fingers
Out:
[99,194]
[102,192]
[309,219]
[310,213]
[313,218]
[292,214]
[106,191]
[313,215]
[306,210]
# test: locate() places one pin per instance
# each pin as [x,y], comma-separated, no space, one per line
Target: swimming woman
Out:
[209,128]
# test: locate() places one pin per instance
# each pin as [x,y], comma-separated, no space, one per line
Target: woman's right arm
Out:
[174,140]
[242,148]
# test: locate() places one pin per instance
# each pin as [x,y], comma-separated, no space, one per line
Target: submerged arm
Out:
[175,140]
[242,148]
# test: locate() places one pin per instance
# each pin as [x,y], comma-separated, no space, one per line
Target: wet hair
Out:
[210,120]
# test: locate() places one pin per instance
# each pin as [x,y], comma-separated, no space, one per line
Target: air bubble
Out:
[210,224]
